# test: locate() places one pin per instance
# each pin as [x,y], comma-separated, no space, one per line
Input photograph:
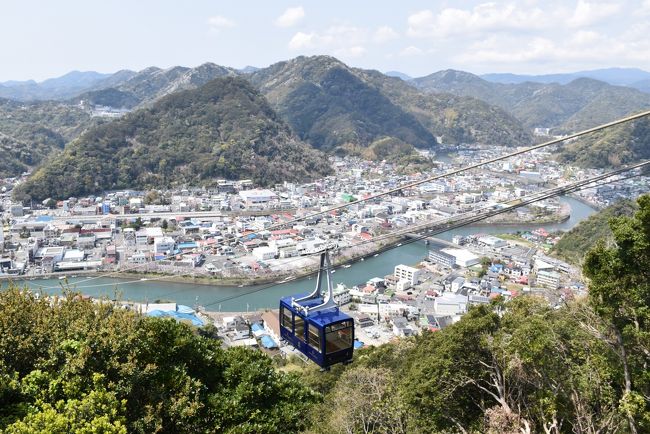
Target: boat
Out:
[62,277]
[347,266]
[363,259]
[375,255]
[399,245]
[333,271]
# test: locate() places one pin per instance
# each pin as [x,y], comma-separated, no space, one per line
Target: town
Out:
[238,233]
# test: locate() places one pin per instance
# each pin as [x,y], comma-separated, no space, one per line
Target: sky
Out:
[44,39]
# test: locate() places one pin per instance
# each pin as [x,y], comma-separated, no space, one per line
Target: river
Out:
[258,297]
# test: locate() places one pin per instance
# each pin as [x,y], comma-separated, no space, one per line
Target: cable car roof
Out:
[322,317]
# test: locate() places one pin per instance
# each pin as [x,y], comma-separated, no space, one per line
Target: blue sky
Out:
[42,39]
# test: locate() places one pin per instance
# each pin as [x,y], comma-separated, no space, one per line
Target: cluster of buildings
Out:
[235,229]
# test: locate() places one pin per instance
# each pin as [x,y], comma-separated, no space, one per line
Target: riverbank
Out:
[243,281]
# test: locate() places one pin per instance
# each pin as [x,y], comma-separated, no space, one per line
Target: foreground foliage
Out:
[76,366]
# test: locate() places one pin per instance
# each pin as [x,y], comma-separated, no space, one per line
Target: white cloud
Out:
[587,13]
[340,40]
[302,40]
[290,17]
[411,50]
[485,17]
[386,33]
[350,52]
[220,22]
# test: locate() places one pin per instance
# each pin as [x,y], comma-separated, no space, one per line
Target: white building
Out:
[464,258]
[73,255]
[162,245]
[492,241]
[450,304]
[410,274]
[257,197]
[264,253]
[286,247]
[548,279]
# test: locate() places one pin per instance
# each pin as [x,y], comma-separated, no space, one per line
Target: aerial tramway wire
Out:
[404,187]
[446,226]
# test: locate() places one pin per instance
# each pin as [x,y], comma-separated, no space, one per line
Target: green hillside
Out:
[224,129]
[330,104]
[75,366]
[32,132]
[613,147]
[578,241]
[578,105]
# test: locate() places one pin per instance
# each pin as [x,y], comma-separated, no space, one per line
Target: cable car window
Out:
[338,338]
[285,318]
[314,338]
[299,327]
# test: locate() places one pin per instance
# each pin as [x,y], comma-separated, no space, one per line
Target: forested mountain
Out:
[574,244]
[613,147]
[32,132]
[129,89]
[329,104]
[455,119]
[580,104]
[224,129]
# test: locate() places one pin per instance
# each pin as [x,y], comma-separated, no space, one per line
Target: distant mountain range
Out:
[329,105]
[64,87]
[224,129]
[616,76]
[580,104]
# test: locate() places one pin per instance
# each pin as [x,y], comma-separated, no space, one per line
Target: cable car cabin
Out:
[315,326]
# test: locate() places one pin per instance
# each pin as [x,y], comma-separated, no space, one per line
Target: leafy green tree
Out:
[619,292]
[71,365]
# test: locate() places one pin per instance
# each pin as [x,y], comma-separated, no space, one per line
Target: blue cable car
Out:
[315,326]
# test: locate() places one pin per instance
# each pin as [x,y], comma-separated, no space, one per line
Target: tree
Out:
[71,365]
[619,291]
[164,225]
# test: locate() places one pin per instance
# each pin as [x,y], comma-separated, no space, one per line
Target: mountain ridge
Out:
[224,129]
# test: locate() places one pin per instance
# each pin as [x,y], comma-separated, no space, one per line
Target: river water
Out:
[257,297]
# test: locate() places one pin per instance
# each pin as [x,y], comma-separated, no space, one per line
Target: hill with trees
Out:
[579,104]
[146,86]
[613,147]
[575,244]
[329,104]
[58,88]
[30,133]
[224,129]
